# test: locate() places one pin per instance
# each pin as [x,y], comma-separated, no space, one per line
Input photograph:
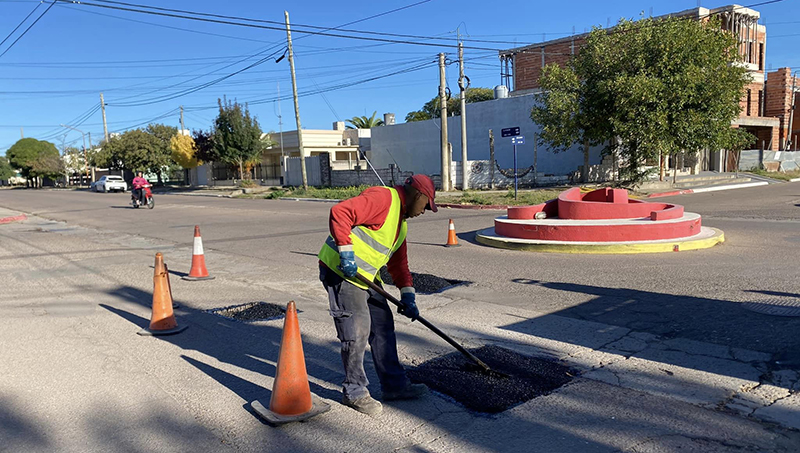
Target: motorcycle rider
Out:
[137,184]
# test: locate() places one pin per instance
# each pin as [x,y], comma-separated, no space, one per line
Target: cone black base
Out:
[157,333]
[194,279]
[317,407]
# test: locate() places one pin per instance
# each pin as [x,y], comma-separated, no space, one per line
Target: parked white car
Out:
[108,183]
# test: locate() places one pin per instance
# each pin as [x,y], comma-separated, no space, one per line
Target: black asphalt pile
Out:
[423,283]
[254,311]
[526,378]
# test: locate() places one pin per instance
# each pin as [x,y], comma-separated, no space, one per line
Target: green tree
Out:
[647,88]
[6,170]
[364,122]
[139,150]
[204,146]
[162,158]
[237,136]
[432,108]
[35,159]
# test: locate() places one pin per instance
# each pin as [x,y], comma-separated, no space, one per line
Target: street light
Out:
[85,158]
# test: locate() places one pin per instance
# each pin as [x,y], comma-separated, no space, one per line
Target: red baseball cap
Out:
[424,184]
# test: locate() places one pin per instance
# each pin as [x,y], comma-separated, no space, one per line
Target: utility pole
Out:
[105,125]
[491,159]
[443,118]
[296,105]
[90,148]
[792,104]
[463,88]
[21,133]
[85,158]
[183,127]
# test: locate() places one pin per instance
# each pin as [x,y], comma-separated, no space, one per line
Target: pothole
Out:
[252,311]
[423,283]
[526,378]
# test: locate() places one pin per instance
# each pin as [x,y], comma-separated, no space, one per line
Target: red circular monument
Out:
[601,221]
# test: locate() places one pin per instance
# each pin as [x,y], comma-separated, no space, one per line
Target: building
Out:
[522,67]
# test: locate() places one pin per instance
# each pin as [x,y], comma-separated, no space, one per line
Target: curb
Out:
[472,206]
[318,200]
[17,218]
[679,245]
[794,180]
[709,189]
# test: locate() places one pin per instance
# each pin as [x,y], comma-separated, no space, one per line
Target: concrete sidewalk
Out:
[74,376]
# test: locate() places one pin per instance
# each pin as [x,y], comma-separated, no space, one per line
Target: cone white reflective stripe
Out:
[452,227]
[198,246]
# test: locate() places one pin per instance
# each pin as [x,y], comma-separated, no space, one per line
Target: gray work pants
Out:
[363,317]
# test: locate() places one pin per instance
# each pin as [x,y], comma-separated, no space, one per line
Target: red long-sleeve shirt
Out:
[370,210]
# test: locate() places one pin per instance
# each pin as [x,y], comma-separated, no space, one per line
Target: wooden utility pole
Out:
[183,127]
[463,94]
[105,124]
[296,105]
[443,118]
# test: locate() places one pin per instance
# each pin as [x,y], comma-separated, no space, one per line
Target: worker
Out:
[366,233]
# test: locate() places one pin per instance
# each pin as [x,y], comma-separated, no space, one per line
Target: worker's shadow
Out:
[238,345]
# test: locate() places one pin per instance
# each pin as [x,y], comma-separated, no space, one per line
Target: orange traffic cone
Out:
[161,267]
[162,320]
[198,270]
[452,241]
[291,399]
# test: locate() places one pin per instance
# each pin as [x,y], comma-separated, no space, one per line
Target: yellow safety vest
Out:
[372,248]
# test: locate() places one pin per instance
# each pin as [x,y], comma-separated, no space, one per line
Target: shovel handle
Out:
[425,323]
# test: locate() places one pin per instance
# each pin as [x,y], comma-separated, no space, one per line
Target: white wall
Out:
[415,146]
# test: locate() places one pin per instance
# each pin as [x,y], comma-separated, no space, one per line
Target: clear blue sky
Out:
[54,74]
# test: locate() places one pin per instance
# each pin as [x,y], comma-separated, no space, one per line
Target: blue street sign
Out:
[510,131]
[518,140]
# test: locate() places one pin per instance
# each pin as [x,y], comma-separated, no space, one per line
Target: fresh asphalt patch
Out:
[253,311]
[526,378]
[423,283]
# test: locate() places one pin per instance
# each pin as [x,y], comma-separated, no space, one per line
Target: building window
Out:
[760,102]
[761,56]
[749,98]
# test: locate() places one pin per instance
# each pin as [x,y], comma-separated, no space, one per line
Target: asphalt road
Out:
[668,356]
[695,295]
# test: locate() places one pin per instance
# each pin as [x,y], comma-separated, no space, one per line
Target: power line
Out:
[20,24]
[26,30]
[266,27]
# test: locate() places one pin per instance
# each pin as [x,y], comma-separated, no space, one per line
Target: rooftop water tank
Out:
[500,92]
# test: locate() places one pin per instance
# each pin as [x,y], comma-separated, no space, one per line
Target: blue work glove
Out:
[409,308]
[347,263]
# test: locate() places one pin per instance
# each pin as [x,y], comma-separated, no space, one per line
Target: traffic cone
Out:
[162,319]
[452,241]
[198,270]
[291,399]
[169,285]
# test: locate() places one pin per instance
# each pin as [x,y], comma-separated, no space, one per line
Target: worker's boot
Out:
[365,405]
[409,392]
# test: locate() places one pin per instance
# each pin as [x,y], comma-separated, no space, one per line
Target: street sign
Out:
[518,140]
[510,131]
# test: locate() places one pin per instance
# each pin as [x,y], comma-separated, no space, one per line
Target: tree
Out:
[6,170]
[163,151]
[645,88]
[237,136]
[35,159]
[363,122]
[183,151]
[139,150]
[204,146]
[432,108]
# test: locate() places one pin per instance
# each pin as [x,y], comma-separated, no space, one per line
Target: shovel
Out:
[427,324]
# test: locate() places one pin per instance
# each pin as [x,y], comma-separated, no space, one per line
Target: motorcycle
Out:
[146,194]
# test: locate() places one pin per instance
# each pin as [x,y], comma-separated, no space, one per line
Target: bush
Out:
[247,183]
[275,195]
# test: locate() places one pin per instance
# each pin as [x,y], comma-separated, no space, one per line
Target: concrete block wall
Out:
[365,176]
